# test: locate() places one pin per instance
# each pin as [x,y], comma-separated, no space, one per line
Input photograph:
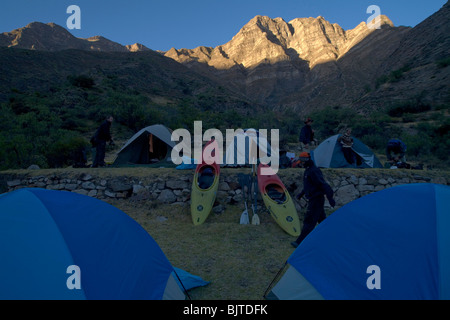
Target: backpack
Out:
[93,141]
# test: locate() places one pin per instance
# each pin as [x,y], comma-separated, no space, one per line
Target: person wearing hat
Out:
[346,142]
[306,137]
[396,151]
[315,188]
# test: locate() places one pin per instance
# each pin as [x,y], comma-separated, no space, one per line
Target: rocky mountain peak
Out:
[136,47]
[52,37]
[37,36]
[267,40]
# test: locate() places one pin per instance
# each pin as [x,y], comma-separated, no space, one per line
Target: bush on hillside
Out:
[442,63]
[64,151]
[81,81]
[414,107]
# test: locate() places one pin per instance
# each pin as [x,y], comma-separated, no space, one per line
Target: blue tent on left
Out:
[52,240]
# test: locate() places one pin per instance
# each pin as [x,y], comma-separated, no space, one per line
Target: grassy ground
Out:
[240,261]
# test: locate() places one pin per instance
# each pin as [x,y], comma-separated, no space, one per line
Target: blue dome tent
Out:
[44,232]
[329,154]
[398,239]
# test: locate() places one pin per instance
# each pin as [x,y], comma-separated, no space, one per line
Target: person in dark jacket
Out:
[307,134]
[101,137]
[314,189]
[395,151]
[346,142]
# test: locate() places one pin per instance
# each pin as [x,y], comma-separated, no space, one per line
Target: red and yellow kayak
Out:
[278,201]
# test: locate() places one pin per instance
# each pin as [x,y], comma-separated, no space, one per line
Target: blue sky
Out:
[161,25]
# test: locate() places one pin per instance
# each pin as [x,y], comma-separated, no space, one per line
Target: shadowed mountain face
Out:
[145,73]
[39,57]
[417,67]
[309,63]
[270,59]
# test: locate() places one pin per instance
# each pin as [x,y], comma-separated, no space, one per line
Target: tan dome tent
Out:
[151,145]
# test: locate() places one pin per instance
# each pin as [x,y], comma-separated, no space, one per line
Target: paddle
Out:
[244,216]
[255,218]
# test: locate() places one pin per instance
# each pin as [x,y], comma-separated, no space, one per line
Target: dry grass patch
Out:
[240,261]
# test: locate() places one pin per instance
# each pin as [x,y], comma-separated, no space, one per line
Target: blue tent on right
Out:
[329,154]
[389,245]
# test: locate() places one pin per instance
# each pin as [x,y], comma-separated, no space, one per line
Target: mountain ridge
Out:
[270,60]
[52,37]
[295,35]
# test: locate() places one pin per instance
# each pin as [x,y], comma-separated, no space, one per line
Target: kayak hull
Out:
[283,212]
[203,195]
[202,200]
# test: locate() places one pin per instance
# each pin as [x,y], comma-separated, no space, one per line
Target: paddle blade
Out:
[255,220]
[244,218]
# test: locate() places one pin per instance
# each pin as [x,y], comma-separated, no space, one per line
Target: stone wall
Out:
[174,187]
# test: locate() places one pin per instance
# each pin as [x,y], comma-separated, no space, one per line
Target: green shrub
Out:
[442,63]
[394,76]
[397,110]
[64,149]
[81,81]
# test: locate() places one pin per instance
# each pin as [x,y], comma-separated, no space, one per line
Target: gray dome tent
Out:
[329,154]
[238,152]
[150,145]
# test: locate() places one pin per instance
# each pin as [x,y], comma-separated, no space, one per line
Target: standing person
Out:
[307,134]
[314,188]
[396,151]
[346,142]
[102,135]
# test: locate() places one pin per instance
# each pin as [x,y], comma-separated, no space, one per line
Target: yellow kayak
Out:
[204,190]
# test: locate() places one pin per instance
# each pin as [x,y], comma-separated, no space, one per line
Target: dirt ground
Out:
[239,261]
